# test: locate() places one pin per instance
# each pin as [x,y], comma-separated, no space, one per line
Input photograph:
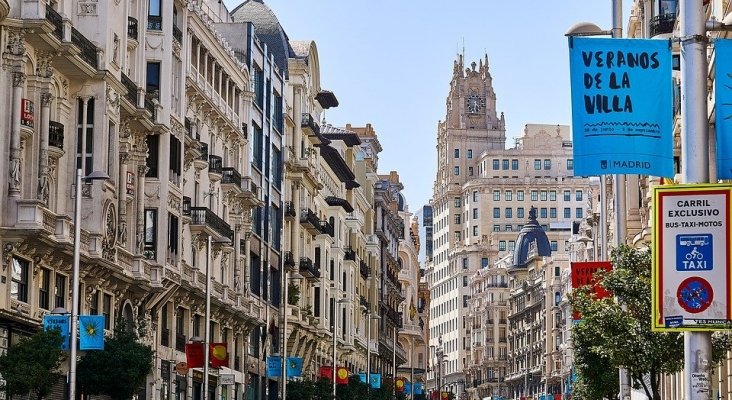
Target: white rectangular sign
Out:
[691,272]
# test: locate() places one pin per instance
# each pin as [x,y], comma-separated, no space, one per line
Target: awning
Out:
[339,202]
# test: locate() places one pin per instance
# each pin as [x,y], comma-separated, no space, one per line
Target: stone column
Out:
[43,181]
[122,206]
[15,162]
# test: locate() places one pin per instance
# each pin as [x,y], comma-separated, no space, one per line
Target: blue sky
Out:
[389,62]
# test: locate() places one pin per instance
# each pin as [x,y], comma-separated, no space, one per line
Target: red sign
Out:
[583,274]
[342,375]
[26,113]
[399,384]
[326,372]
[219,356]
[194,355]
[130,184]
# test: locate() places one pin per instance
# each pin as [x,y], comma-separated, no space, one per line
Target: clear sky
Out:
[389,63]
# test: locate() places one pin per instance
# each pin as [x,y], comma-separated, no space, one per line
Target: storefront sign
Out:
[26,113]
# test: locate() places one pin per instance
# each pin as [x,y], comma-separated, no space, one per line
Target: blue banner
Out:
[723,106]
[418,388]
[91,332]
[622,110]
[375,381]
[294,367]
[274,366]
[60,322]
[407,388]
[362,377]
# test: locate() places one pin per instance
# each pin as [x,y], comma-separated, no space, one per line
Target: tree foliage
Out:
[354,390]
[120,369]
[32,365]
[616,332]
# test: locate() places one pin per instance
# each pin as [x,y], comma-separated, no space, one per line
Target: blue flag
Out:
[723,105]
[91,332]
[60,322]
[407,388]
[294,367]
[362,377]
[375,381]
[274,366]
[622,110]
[418,388]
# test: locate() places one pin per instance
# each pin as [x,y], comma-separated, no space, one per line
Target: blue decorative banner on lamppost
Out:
[60,322]
[91,332]
[723,105]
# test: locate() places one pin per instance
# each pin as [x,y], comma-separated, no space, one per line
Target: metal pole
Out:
[207,318]
[411,378]
[285,304]
[393,361]
[603,221]
[694,161]
[368,351]
[335,329]
[75,285]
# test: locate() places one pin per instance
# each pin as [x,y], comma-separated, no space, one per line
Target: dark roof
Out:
[337,163]
[532,241]
[400,202]
[337,201]
[267,28]
[327,99]
[331,132]
[352,185]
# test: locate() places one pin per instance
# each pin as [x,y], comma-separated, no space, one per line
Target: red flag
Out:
[194,355]
[342,375]
[435,395]
[399,384]
[326,372]
[218,355]
[445,395]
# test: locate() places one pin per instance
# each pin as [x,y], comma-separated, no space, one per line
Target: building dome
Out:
[531,242]
[267,28]
[400,202]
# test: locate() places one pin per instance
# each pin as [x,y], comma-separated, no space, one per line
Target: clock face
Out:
[475,103]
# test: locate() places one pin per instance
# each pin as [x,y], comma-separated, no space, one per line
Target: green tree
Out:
[31,366]
[616,332]
[309,390]
[120,369]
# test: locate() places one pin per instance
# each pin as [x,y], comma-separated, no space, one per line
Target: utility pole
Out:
[694,161]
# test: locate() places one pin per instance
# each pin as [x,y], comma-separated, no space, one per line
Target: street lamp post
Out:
[335,337]
[286,303]
[96,175]
[207,317]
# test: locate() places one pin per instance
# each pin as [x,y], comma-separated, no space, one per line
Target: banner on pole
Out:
[723,106]
[60,322]
[218,355]
[622,110]
[91,332]
[274,366]
[294,367]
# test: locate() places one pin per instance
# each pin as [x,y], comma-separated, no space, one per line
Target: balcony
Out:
[363,302]
[132,31]
[309,125]
[364,269]
[350,254]
[57,21]
[56,134]
[132,90]
[150,105]
[215,165]
[231,177]
[177,34]
[394,316]
[310,221]
[87,50]
[186,209]
[289,260]
[154,23]
[327,228]
[290,210]
[662,24]
[251,196]
[308,269]
[203,219]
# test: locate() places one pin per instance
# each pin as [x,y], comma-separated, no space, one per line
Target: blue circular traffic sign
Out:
[695,294]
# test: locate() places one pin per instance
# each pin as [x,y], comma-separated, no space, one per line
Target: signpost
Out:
[692,275]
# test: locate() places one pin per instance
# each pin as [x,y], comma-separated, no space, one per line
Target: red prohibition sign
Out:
[695,294]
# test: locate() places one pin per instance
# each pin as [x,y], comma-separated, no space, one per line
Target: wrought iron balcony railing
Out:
[88,52]
[132,90]
[350,254]
[132,31]
[57,21]
[202,216]
[662,24]
[56,134]
[215,164]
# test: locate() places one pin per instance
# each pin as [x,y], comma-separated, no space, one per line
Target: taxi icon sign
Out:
[694,252]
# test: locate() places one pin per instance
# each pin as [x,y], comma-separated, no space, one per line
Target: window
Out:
[470,171]
[89,127]
[258,87]
[496,212]
[504,164]
[154,15]
[457,218]
[553,212]
[578,195]
[509,212]
[19,280]
[496,195]
[484,262]
[552,195]
[470,153]
[44,287]
[94,304]
[514,165]
[502,245]
[509,227]
[475,213]
[107,310]
[570,164]
[542,195]
[508,195]
[257,151]
[456,153]
[59,291]
[456,170]
[567,195]
[175,160]
[542,212]
[547,164]
[496,164]
[151,162]
[475,230]
[172,238]
[537,165]
[475,195]
[151,233]
[519,195]
[496,228]
[553,245]
[567,212]
[511,245]
[534,195]
[465,262]
[520,212]
[457,202]
[276,167]
[277,117]
[578,212]
[457,236]
[152,87]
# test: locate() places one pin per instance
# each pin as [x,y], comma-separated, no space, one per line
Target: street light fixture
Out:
[94,176]
[207,329]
